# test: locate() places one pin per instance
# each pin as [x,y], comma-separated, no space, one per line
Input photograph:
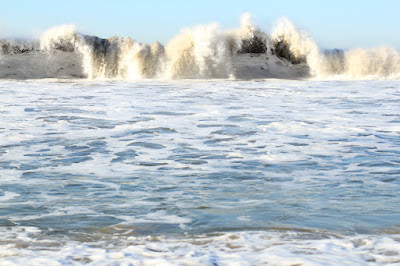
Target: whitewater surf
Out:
[221,147]
[204,52]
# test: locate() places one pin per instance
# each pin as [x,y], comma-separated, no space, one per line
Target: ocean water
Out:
[199,172]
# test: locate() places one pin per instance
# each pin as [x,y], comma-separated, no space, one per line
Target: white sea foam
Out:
[8,196]
[199,172]
[273,248]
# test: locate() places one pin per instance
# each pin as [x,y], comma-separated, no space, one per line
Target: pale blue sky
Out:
[333,24]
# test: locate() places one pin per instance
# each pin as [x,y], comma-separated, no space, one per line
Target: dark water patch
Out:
[155,228]
[252,150]
[230,175]
[213,142]
[186,148]
[390,180]
[6,223]
[50,175]
[148,145]
[97,146]
[80,121]
[356,112]
[80,154]
[151,163]
[3,151]
[388,172]
[66,223]
[140,119]
[247,165]
[124,155]
[169,168]
[360,149]
[22,210]
[60,108]
[387,152]
[235,107]
[239,118]
[298,144]
[191,162]
[340,140]
[395,139]
[70,161]
[378,164]
[97,143]
[28,143]
[53,133]
[325,157]
[129,187]
[38,155]
[264,123]
[396,115]
[8,165]
[185,156]
[31,109]
[167,189]
[146,132]
[166,113]
[278,178]
[209,125]
[301,136]
[43,150]
[215,157]
[234,131]
[55,119]
[353,181]
[75,188]
[30,166]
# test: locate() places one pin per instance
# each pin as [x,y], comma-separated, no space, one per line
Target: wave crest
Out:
[204,51]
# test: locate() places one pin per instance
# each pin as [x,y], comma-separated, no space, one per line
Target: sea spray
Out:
[297,46]
[380,62]
[201,52]
[251,38]
[204,51]
[63,37]
[139,61]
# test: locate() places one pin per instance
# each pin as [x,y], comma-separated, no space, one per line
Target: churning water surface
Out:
[204,172]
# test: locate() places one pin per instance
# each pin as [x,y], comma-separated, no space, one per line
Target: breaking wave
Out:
[204,51]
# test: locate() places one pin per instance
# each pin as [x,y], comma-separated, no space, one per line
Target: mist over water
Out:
[204,51]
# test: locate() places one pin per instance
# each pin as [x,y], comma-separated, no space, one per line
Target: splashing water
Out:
[204,51]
